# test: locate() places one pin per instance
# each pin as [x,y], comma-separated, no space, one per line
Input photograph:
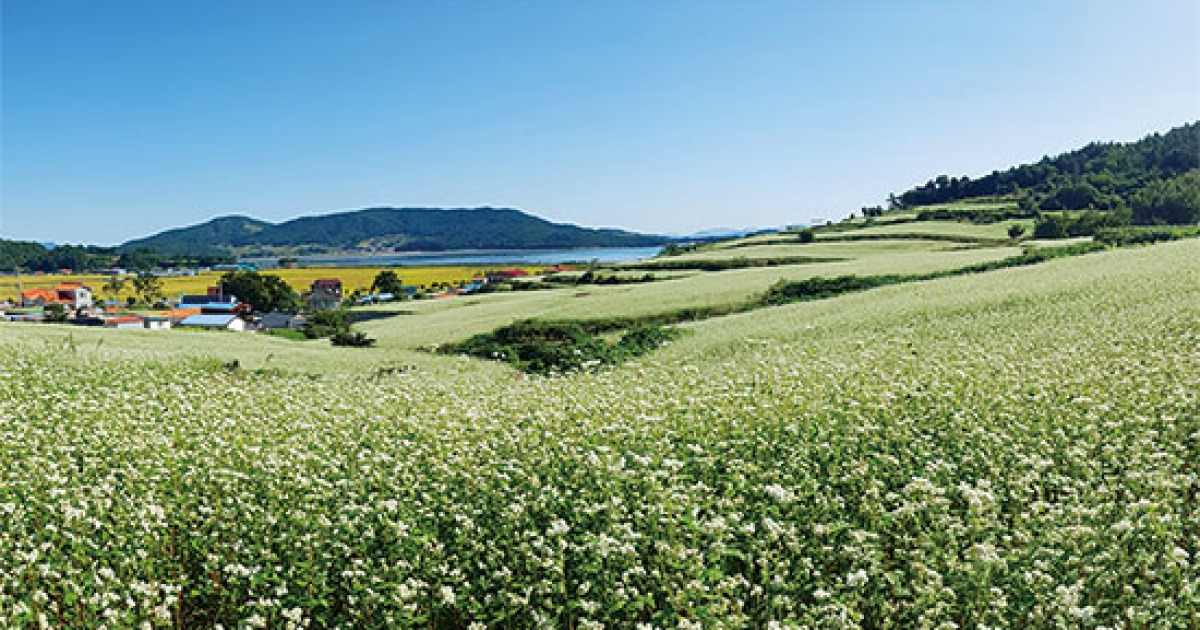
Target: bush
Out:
[1136,235]
[548,347]
[352,339]
[327,323]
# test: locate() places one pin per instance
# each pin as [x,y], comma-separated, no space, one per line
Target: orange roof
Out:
[124,319]
[180,313]
[47,295]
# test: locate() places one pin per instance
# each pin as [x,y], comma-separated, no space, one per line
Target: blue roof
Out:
[207,320]
[216,306]
[199,300]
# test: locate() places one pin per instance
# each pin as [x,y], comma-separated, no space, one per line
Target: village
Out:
[77,303]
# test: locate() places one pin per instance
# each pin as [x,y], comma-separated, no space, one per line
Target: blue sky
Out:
[121,119]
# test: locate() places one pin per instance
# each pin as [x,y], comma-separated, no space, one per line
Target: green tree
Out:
[387,281]
[1174,201]
[263,292]
[148,288]
[1016,231]
[114,287]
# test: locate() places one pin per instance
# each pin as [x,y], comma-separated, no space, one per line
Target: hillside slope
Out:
[1101,175]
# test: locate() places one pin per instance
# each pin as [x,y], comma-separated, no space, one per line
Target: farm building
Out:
[322,299]
[125,322]
[214,322]
[154,322]
[72,295]
[333,285]
[275,321]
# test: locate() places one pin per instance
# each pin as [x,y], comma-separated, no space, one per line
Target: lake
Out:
[475,257]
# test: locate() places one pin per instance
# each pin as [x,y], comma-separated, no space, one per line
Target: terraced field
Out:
[1015,448]
[958,229]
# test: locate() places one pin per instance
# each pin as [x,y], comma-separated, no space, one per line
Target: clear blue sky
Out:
[124,118]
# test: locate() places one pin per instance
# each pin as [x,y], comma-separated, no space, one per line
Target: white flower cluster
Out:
[1020,449]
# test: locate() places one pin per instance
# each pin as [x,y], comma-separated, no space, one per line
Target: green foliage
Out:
[592,277]
[114,287]
[806,235]
[24,254]
[387,281]
[1016,231]
[141,259]
[354,339]
[263,292]
[148,288]
[287,333]
[984,215]
[547,347]
[327,323]
[1093,176]
[1134,235]
[1173,201]
[55,313]
[721,264]
[1058,225]
[818,288]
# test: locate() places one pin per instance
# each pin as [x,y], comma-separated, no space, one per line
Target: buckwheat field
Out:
[1015,449]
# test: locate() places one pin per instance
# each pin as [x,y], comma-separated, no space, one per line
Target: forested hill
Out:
[399,229]
[1102,176]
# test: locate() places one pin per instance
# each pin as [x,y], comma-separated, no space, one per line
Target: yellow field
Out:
[300,279]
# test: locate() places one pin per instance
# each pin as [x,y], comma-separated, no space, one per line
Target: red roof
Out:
[124,319]
[46,295]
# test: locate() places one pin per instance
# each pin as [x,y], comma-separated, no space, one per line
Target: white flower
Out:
[858,578]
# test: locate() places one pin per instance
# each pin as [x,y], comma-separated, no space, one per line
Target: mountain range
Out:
[387,229]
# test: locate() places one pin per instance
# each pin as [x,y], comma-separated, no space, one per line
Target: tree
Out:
[1173,201]
[141,259]
[1016,231]
[114,287]
[387,281]
[263,292]
[806,236]
[56,313]
[148,287]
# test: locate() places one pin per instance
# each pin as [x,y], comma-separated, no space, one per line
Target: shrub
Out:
[352,339]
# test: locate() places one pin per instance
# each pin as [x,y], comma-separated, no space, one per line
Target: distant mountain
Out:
[388,229]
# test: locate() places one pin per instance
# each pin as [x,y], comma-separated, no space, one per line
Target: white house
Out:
[215,322]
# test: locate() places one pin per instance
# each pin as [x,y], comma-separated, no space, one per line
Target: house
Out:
[214,322]
[39,297]
[72,295]
[506,275]
[75,294]
[221,308]
[333,285]
[214,296]
[179,314]
[322,299]
[277,320]
[125,322]
[155,322]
